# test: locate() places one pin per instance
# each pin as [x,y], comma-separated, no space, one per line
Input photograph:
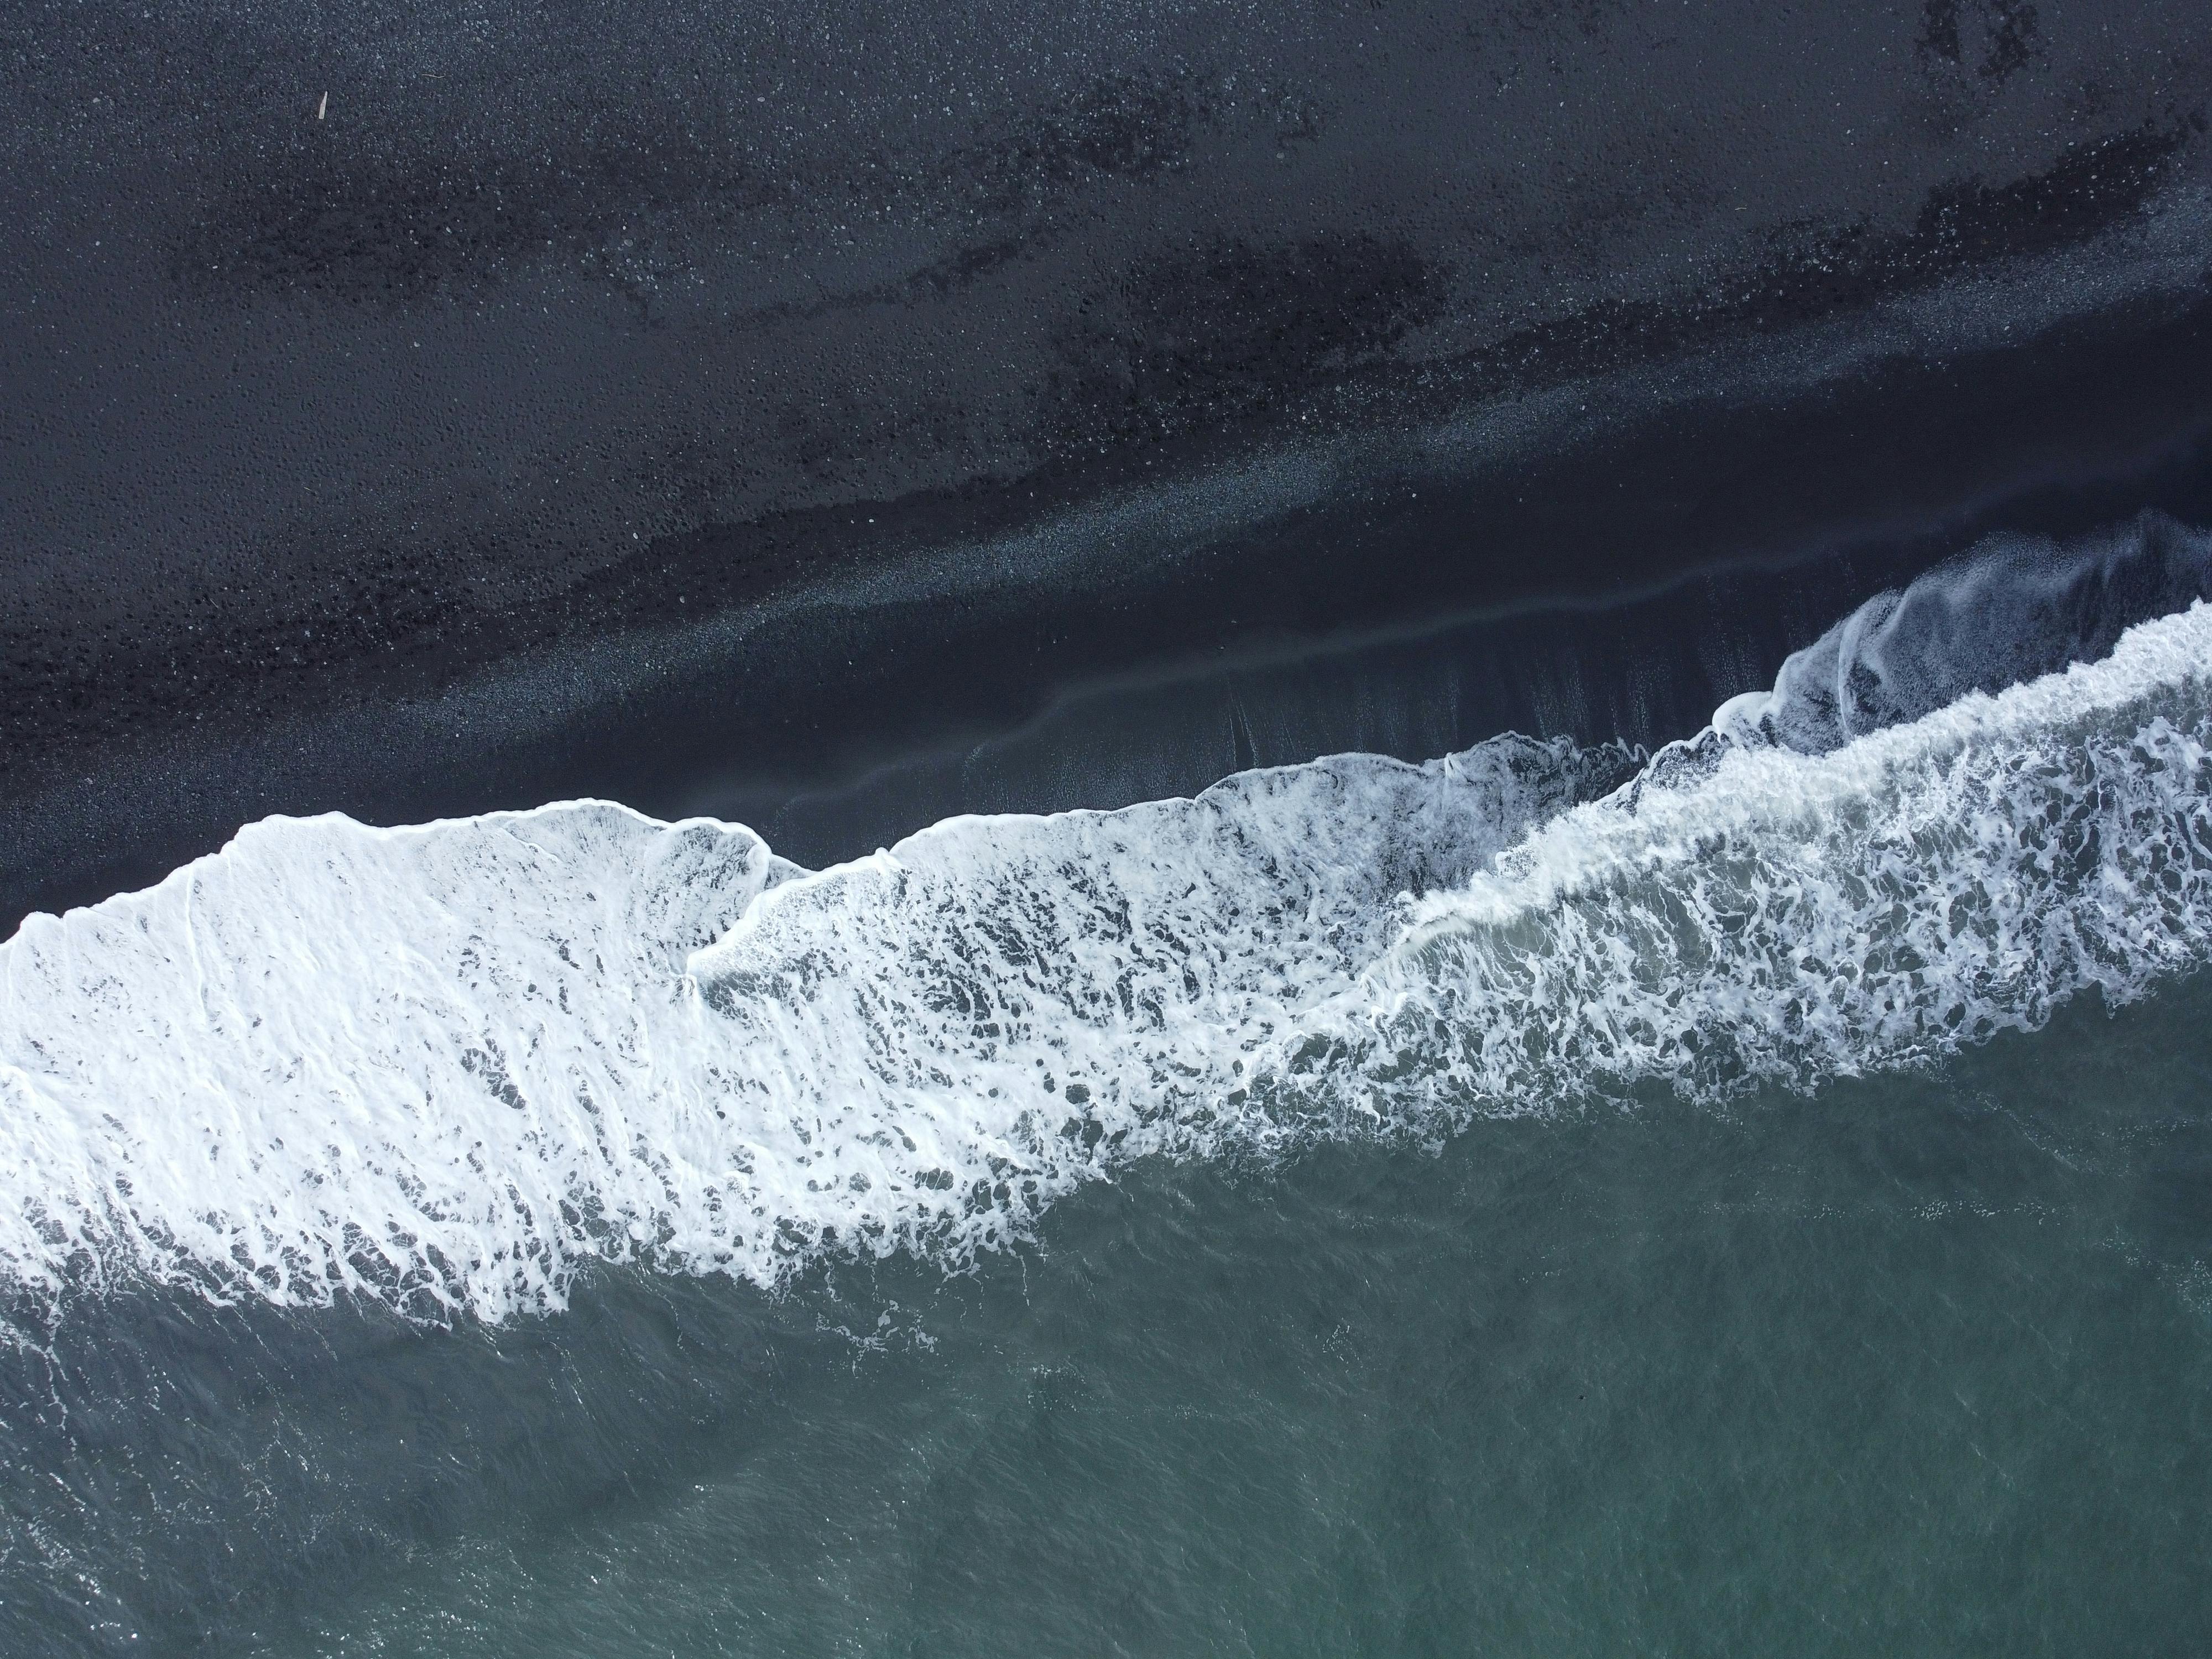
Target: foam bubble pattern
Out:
[449,1066]
[1780,917]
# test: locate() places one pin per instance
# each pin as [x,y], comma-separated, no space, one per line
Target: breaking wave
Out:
[448,1066]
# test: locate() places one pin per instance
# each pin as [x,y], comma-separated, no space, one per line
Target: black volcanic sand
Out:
[837,419]
[1548,572]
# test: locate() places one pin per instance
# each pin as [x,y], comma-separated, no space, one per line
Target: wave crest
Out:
[1789,918]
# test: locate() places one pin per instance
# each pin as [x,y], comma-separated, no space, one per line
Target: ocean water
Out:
[1551,1199]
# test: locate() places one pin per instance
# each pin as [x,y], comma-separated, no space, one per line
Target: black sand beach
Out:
[528,418]
[1542,1166]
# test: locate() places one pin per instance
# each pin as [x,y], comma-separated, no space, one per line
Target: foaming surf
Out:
[447,1067]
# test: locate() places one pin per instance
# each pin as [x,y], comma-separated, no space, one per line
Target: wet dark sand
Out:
[1593,579]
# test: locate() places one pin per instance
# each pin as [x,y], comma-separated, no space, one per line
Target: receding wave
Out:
[447,1066]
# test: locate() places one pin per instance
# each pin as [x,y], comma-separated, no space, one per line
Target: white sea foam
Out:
[1782,917]
[447,1066]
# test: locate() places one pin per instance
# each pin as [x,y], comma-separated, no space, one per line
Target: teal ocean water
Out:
[1746,1198]
[1920,1365]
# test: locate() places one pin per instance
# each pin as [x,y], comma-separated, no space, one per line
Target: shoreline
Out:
[1094,658]
[410,418]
